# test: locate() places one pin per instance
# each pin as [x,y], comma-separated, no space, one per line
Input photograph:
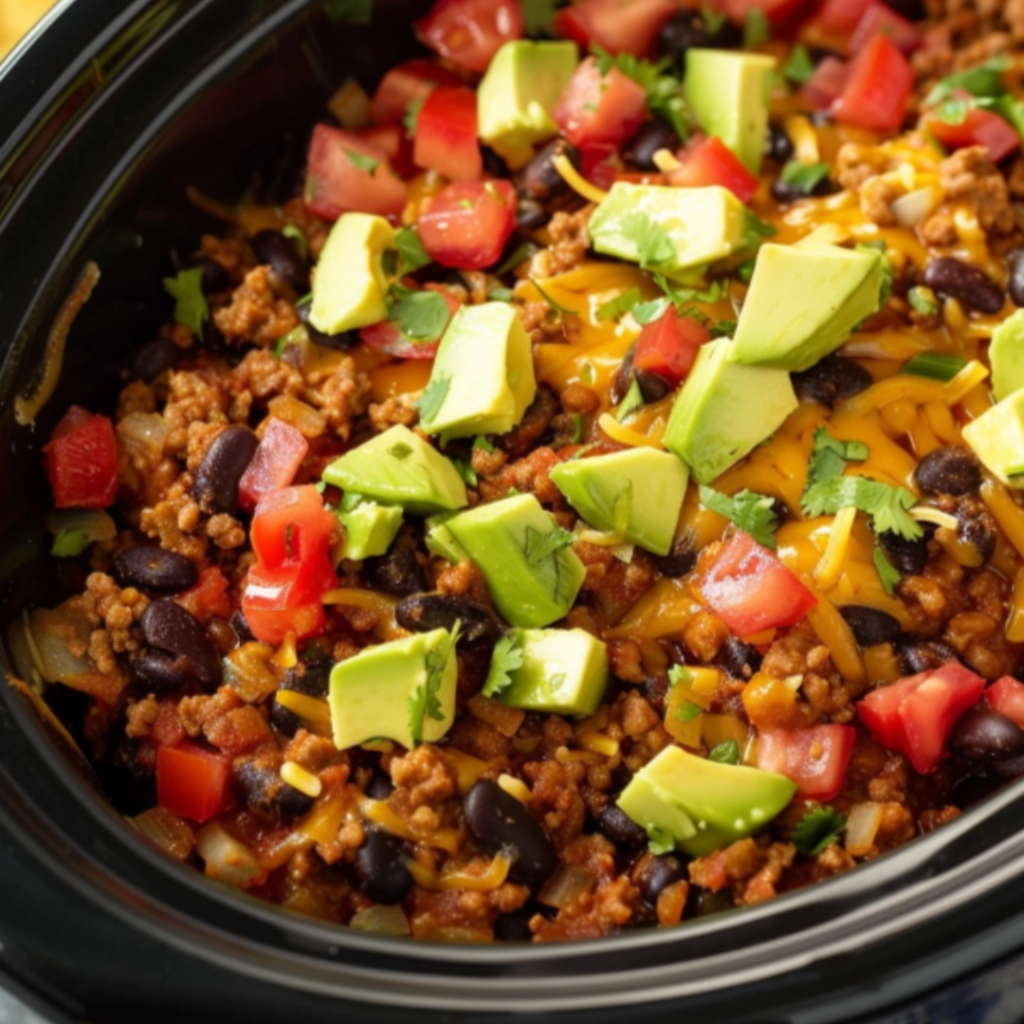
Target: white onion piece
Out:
[566,886]
[20,648]
[143,433]
[911,209]
[381,920]
[93,522]
[862,826]
[225,858]
[51,632]
[166,831]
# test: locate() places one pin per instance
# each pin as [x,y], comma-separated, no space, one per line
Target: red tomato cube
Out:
[192,782]
[81,461]
[979,128]
[826,84]
[446,135]
[878,19]
[669,345]
[841,17]
[470,32]
[412,80]
[291,526]
[276,602]
[815,759]
[388,337]
[876,93]
[1006,696]
[274,465]
[617,26]
[710,162]
[595,108]
[467,224]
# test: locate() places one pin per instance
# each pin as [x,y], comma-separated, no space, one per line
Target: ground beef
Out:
[255,313]
[969,175]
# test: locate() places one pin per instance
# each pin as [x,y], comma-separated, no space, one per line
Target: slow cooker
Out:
[109,113]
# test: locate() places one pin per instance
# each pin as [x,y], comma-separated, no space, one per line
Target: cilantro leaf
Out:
[425,702]
[465,470]
[619,306]
[412,115]
[922,300]
[647,312]
[752,513]
[755,232]
[953,111]
[688,711]
[1009,108]
[298,236]
[483,444]
[69,543]
[887,572]
[799,68]
[803,178]
[542,546]
[506,659]
[679,674]
[411,254]
[520,255]
[723,329]
[983,80]
[364,163]
[355,12]
[725,753]
[681,297]
[660,841]
[756,29]
[829,457]
[420,316]
[539,16]
[560,310]
[745,271]
[817,830]
[633,401]
[653,245]
[665,96]
[433,397]
[190,307]
[887,505]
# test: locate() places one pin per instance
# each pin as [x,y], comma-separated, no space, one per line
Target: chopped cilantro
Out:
[818,829]
[681,296]
[653,245]
[803,178]
[660,841]
[69,543]
[466,204]
[756,231]
[679,674]
[521,254]
[419,315]
[298,236]
[400,451]
[665,96]
[282,344]
[507,657]
[647,312]
[355,12]
[433,397]
[412,115]
[633,401]
[752,513]
[829,457]
[713,20]
[887,505]
[723,329]
[483,444]
[953,112]
[190,307]
[725,753]
[756,29]
[465,470]
[364,163]
[424,701]
[887,572]
[411,254]
[1009,108]
[579,423]
[745,271]
[688,711]
[799,68]
[923,301]
[542,546]
[560,310]
[982,80]
[619,306]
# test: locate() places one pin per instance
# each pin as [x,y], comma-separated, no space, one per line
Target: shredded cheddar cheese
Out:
[576,181]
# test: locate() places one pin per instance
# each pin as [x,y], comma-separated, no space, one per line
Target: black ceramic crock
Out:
[107,114]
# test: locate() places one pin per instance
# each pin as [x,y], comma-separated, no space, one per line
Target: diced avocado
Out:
[402,691]
[517,97]
[369,529]
[674,231]
[804,302]
[997,437]
[721,802]
[531,572]
[636,494]
[564,672]
[729,94]
[482,380]
[349,288]
[439,539]
[399,468]
[725,410]
[1006,356]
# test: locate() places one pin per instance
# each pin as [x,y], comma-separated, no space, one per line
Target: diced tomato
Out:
[595,108]
[1006,696]
[711,162]
[274,465]
[827,83]
[876,93]
[386,337]
[81,461]
[915,715]
[669,345]
[192,782]
[347,173]
[467,224]
[470,32]
[275,602]
[979,128]
[815,759]
[841,17]
[292,526]
[617,26]
[601,164]
[412,80]
[394,140]
[750,590]
[208,596]
[446,134]
[778,12]
[883,20]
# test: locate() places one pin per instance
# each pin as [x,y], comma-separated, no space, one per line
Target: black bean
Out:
[398,573]
[500,823]
[148,362]
[870,625]
[514,926]
[973,789]
[985,735]
[159,671]
[706,902]
[1010,769]
[835,377]
[282,255]
[422,613]
[539,180]
[312,679]
[380,787]
[221,470]
[652,136]
[536,420]
[624,378]
[653,387]
[977,527]
[907,556]
[779,146]
[967,284]
[688,29]
[531,215]
[681,559]
[916,655]
[658,874]
[494,165]
[1015,266]
[950,470]
[215,276]
[619,827]
[739,660]
[241,628]
[283,720]
[343,342]
[169,627]
[257,783]
[913,10]
[149,567]
[379,865]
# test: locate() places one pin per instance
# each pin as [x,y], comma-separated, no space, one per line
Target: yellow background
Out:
[17,17]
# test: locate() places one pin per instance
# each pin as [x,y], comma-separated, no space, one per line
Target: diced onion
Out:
[225,858]
[48,636]
[298,414]
[381,920]
[566,886]
[911,209]
[143,434]
[167,831]
[862,825]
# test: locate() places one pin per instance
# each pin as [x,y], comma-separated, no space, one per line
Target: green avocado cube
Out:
[997,438]
[439,538]
[402,691]
[636,494]
[725,410]
[674,231]
[516,100]
[350,288]
[729,94]
[531,572]
[369,529]
[482,380]
[1006,356]
[564,672]
[721,803]
[804,302]
[399,468]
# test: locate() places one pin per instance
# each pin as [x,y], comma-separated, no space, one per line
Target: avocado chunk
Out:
[997,437]
[350,289]
[439,538]
[517,97]
[399,468]
[402,691]
[1006,356]
[804,302]
[702,804]
[369,528]
[729,94]
[725,410]
[531,572]
[636,494]
[674,231]
[563,671]
[482,380]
